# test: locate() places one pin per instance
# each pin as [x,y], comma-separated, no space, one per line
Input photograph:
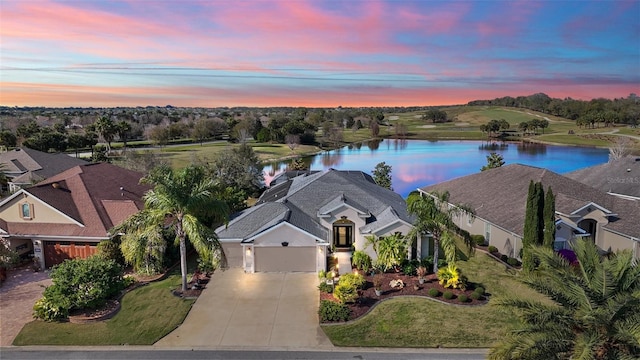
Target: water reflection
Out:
[374,144]
[532,148]
[418,163]
[493,146]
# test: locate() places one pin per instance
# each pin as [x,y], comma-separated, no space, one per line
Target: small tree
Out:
[494,160]
[533,224]
[292,141]
[382,175]
[549,214]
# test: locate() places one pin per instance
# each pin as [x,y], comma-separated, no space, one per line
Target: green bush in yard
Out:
[463,298]
[356,280]
[475,295]
[478,239]
[333,311]
[492,249]
[79,284]
[434,292]
[448,295]
[479,290]
[324,287]
[345,292]
[361,260]
[513,261]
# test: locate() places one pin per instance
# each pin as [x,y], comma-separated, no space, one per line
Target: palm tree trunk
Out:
[183,262]
[436,248]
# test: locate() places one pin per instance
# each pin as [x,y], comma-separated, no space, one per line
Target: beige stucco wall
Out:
[614,242]
[233,252]
[287,233]
[11,212]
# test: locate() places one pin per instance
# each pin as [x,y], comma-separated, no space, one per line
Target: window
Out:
[487,232]
[26,210]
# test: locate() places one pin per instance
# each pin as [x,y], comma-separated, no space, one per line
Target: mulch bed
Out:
[194,287]
[369,299]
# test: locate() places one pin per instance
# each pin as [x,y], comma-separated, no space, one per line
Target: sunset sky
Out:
[313,53]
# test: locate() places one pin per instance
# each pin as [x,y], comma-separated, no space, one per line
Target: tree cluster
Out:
[533,125]
[493,127]
[586,113]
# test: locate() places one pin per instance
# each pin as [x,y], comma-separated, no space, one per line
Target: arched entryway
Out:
[343,234]
[589,225]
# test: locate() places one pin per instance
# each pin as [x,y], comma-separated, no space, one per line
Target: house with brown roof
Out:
[499,197]
[68,214]
[25,167]
[618,177]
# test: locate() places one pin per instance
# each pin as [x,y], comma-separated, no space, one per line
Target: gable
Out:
[40,212]
[284,232]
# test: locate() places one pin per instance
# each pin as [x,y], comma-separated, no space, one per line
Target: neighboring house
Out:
[499,198]
[25,167]
[619,177]
[68,214]
[297,222]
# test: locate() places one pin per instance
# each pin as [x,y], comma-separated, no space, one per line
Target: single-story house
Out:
[618,177]
[68,214]
[25,167]
[499,198]
[297,223]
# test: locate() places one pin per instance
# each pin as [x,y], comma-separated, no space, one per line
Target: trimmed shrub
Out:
[409,269]
[345,293]
[356,280]
[332,311]
[326,288]
[478,239]
[433,292]
[479,290]
[427,263]
[513,261]
[79,284]
[361,260]
[504,258]
[463,298]
[492,249]
[448,295]
[475,295]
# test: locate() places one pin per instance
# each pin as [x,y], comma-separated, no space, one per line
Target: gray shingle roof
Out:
[307,195]
[499,196]
[42,165]
[621,176]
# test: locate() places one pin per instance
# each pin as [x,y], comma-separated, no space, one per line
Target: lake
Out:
[418,163]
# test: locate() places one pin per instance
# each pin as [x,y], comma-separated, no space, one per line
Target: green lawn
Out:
[416,322]
[148,313]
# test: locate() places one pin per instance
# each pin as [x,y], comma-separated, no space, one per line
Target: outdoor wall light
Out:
[248,251]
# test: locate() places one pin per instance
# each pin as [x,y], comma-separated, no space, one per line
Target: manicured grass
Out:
[148,313]
[416,322]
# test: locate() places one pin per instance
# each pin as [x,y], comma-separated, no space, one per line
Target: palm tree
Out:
[178,201]
[435,217]
[595,312]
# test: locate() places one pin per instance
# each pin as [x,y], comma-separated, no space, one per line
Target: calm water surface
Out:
[418,163]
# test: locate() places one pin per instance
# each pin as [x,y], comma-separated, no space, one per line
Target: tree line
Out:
[586,113]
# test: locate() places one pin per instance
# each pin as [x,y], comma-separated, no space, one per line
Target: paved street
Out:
[253,310]
[155,354]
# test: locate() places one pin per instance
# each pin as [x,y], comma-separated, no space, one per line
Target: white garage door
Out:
[285,259]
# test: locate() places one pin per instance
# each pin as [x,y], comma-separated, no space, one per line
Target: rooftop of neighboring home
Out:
[93,197]
[303,200]
[499,196]
[618,177]
[28,166]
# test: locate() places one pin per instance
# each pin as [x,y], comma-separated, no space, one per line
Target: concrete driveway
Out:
[253,310]
[18,293]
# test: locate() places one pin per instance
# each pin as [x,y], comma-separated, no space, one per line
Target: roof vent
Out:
[55,185]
